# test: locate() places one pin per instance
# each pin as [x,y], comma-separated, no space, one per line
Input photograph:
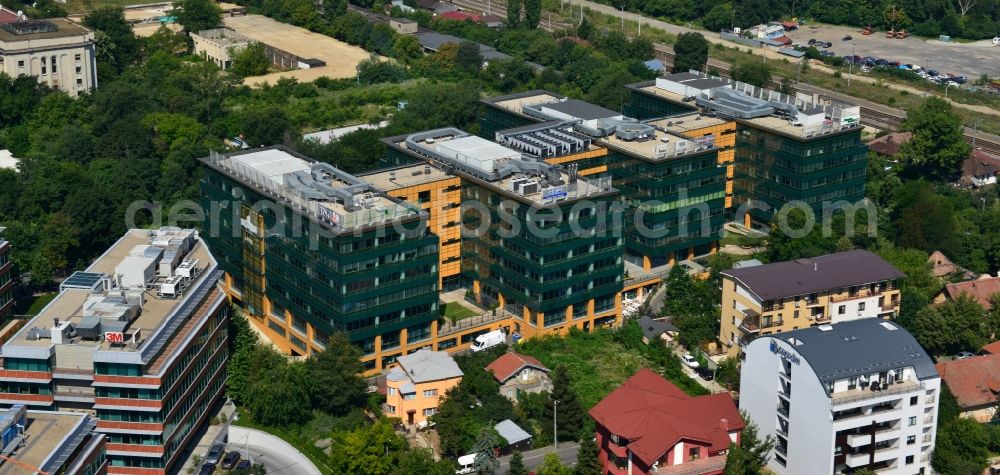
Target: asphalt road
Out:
[963,59]
[273,459]
[533,458]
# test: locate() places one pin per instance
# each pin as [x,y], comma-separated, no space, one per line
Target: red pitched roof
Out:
[459,16]
[7,16]
[980,290]
[941,266]
[783,40]
[508,365]
[889,144]
[654,415]
[992,348]
[974,381]
[980,164]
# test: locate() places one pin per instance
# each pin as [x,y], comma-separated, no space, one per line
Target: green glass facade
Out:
[367,282]
[773,169]
[572,257]
[643,105]
[677,204]
[494,119]
[6,278]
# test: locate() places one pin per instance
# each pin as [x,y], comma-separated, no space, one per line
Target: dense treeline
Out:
[959,18]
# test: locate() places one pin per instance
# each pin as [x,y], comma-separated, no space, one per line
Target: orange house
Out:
[415,387]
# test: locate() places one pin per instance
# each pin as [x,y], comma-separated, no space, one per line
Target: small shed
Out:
[513,435]
[403,26]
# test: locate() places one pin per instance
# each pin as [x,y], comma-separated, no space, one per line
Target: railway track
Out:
[499,8]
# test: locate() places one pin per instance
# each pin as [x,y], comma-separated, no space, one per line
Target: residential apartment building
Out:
[51,442]
[59,52]
[773,298]
[803,148]
[540,243]
[139,339]
[670,172]
[309,250]
[6,276]
[839,398]
[649,426]
[415,387]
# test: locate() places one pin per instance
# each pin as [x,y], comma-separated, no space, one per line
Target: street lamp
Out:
[555,415]
[946,86]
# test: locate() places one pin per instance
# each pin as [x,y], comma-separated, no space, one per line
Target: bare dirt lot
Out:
[341,58]
[963,59]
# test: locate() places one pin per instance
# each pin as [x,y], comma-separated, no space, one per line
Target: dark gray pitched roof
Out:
[652,329]
[857,347]
[805,276]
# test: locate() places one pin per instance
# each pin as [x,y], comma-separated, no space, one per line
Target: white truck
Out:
[488,340]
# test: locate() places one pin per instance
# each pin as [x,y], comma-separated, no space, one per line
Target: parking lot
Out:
[963,59]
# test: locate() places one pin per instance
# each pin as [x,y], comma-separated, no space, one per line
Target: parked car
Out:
[866,68]
[706,374]
[962,79]
[690,361]
[894,64]
[214,454]
[488,340]
[963,355]
[812,41]
[932,72]
[244,464]
[827,54]
[207,469]
[848,38]
[230,460]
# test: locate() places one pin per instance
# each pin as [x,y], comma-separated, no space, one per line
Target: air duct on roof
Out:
[734,103]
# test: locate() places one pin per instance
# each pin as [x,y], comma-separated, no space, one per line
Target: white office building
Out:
[838,398]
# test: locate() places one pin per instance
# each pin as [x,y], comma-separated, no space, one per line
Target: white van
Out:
[488,340]
[465,464]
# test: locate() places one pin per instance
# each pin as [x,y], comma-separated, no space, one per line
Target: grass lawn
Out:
[289,435]
[34,304]
[455,311]
[598,363]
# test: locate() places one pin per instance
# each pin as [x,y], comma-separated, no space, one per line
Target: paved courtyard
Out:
[341,58]
[963,59]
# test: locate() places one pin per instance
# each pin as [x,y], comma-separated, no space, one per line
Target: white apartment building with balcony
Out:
[838,398]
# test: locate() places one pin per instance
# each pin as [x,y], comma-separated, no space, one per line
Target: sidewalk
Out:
[211,435]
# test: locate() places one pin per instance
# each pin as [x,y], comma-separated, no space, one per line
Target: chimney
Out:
[724,424]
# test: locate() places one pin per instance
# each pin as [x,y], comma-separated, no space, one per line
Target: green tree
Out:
[468,58]
[243,346]
[118,47]
[250,60]
[336,376]
[719,18]
[517,464]
[197,15]
[333,8]
[961,447]
[267,125]
[486,461]
[752,72]
[568,413]
[690,52]
[421,461]
[532,13]
[373,449]
[166,40]
[552,465]
[374,70]
[937,146]
[953,326]
[278,391]
[514,13]
[924,219]
[587,462]
[585,29]
[750,455]
[407,49]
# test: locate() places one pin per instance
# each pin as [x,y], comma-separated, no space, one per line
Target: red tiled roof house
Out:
[519,373]
[649,426]
[975,382]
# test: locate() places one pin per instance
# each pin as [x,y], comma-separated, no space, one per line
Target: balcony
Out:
[783,410]
[860,294]
[927,438]
[857,460]
[929,419]
[859,394]
[750,324]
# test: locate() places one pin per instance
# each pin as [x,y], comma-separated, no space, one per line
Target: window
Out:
[430,392]
[693,453]
[43,66]
[410,396]
[913,420]
[390,409]
[913,401]
[53,61]
[430,411]
[852,383]
[841,309]
[861,306]
[20,64]
[911,440]
[392,391]
[909,459]
[76,57]
[424,196]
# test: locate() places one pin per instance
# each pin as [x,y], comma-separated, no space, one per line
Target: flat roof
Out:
[321,189]
[662,145]
[45,432]
[683,124]
[516,102]
[817,274]
[64,29]
[405,176]
[223,36]
[858,347]
[68,306]
[581,109]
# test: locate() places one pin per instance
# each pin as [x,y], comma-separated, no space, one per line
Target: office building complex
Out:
[670,172]
[649,426]
[783,296]
[838,398]
[139,339]
[6,277]
[51,442]
[309,250]
[59,52]
[802,148]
